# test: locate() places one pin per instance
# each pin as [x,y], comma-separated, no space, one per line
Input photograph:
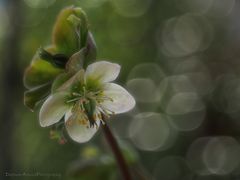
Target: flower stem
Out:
[117,152]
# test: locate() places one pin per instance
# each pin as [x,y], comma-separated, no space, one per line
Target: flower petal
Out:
[121,101]
[76,78]
[53,109]
[103,71]
[77,131]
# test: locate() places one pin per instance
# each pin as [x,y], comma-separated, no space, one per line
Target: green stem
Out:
[117,152]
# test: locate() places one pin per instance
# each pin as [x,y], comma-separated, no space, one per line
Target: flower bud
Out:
[70,30]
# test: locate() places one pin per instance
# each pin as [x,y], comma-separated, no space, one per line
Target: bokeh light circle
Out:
[193,73]
[180,83]
[182,103]
[214,155]
[194,156]
[213,8]
[221,155]
[189,121]
[143,90]
[184,35]
[151,132]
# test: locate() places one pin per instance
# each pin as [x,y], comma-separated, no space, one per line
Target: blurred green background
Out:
[180,60]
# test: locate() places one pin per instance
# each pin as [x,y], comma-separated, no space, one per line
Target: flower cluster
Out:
[81,97]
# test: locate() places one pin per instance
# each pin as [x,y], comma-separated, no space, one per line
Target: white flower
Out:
[86,100]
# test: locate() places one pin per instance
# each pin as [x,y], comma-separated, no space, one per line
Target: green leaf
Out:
[40,72]
[67,36]
[33,96]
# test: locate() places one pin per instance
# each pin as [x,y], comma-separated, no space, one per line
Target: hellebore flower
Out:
[86,100]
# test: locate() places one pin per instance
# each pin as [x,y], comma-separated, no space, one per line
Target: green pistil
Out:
[85,102]
[90,107]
